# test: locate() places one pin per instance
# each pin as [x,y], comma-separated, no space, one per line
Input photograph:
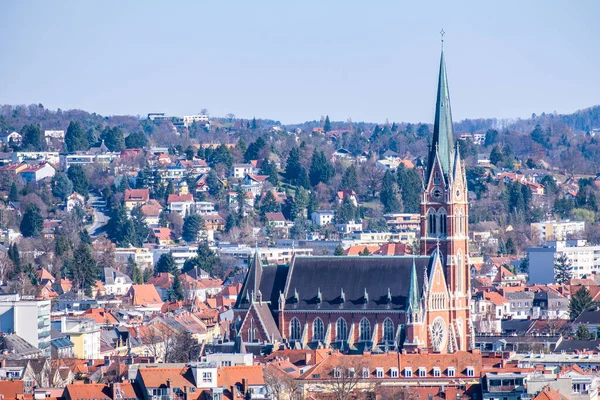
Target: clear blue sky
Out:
[296,61]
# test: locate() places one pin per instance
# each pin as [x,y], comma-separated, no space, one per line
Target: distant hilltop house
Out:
[14,137]
[58,135]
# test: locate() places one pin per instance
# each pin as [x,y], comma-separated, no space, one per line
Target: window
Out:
[379,372]
[341,330]
[318,329]
[388,330]
[436,178]
[432,223]
[470,371]
[365,330]
[226,363]
[451,371]
[365,372]
[207,377]
[351,373]
[408,372]
[337,373]
[437,372]
[394,372]
[295,329]
[443,221]
[252,331]
[422,372]
[459,268]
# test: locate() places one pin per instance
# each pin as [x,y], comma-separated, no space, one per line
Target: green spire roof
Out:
[413,290]
[443,135]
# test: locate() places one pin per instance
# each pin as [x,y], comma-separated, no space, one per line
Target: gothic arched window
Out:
[364,330]
[318,329]
[295,329]
[443,221]
[341,330]
[388,330]
[432,222]
[252,331]
[460,270]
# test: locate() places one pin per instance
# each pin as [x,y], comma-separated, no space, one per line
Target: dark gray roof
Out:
[518,339]
[571,346]
[588,317]
[516,325]
[272,281]
[266,318]
[110,274]
[355,276]
[519,295]
[18,346]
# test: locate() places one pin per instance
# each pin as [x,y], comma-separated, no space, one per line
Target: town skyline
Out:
[509,66]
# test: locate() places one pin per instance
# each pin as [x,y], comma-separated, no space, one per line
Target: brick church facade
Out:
[377,303]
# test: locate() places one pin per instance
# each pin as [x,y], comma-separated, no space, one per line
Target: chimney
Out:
[233,391]
[244,386]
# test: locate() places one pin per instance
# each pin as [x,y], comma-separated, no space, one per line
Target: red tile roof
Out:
[180,198]
[144,295]
[137,194]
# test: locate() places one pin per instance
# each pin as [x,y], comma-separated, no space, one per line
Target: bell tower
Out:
[444,212]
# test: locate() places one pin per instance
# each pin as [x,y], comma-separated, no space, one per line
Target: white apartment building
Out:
[401,221]
[28,318]
[55,134]
[584,259]
[557,230]
[322,217]
[84,333]
[272,255]
[142,256]
[180,253]
[188,120]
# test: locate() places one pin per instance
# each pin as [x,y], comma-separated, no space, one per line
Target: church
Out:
[377,303]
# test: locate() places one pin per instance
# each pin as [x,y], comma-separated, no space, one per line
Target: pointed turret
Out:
[252,284]
[443,135]
[414,305]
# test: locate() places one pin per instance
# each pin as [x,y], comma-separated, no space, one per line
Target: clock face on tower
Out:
[436,194]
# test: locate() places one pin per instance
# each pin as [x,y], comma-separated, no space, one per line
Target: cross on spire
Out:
[442,33]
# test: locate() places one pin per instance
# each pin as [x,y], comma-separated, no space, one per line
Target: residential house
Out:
[37,172]
[254,183]
[322,217]
[347,194]
[521,304]
[143,257]
[163,236]
[136,197]
[151,211]
[13,137]
[74,200]
[276,220]
[181,204]
[145,296]
[116,282]
[84,333]
[241,170]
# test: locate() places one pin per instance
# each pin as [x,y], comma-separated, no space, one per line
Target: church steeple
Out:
[413,307]
[443,135]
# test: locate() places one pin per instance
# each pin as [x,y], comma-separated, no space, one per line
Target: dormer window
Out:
[337,373]
[422,372]
[351,372]
[379,372]
[437,372]
[470,371]
[408,372]
[451,371]
[394,372]
[365,373]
